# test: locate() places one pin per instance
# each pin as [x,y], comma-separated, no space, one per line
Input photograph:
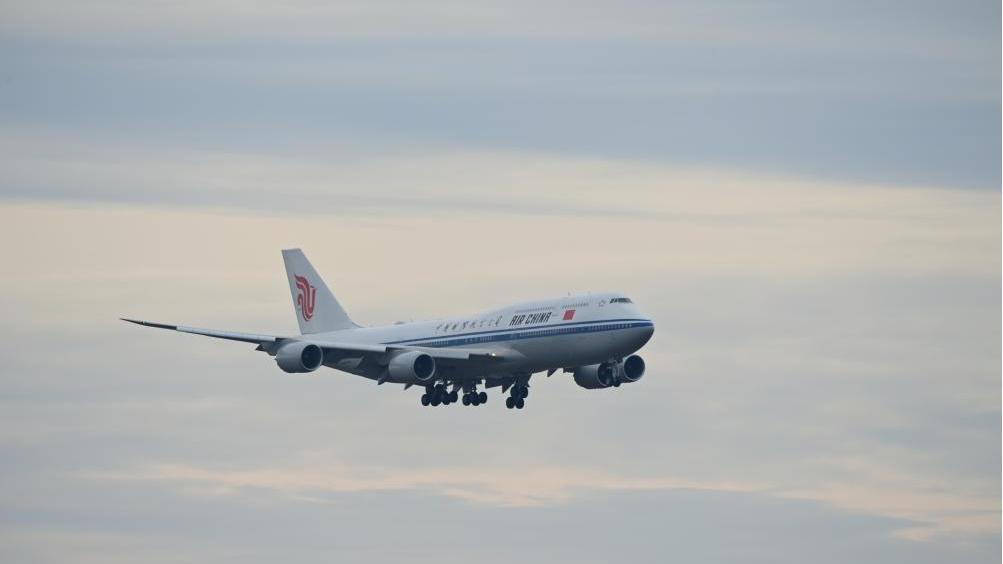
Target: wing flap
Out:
[346,349]
[457,353]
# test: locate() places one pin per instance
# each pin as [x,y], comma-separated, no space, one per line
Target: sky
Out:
[804,196]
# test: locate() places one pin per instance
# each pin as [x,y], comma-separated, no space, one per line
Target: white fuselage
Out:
[531,337]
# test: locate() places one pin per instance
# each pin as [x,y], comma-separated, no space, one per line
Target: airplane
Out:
[591,336]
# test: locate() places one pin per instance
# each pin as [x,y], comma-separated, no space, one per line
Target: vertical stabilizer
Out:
[317,310]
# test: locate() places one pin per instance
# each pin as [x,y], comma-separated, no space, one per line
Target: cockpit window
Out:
[620,301]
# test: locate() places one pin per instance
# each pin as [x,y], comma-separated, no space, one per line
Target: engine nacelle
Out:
[299,357]
[598,376]
[412,366]
[595,376]
[632,369]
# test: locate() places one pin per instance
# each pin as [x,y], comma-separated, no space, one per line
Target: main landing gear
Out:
[438,395]
[475,398]
[517,397]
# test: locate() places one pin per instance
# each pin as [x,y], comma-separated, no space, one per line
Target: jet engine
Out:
[299,357]
[595,376]
[632,369]
[412,366]
[598,376]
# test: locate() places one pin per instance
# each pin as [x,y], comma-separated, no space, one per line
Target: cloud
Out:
[504,487]
[816,341]
[129,521]
[929,513]
[731,219]
[715,23]
[906,99]
[786,189]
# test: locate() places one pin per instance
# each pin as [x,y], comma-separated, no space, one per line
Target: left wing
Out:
[229,335]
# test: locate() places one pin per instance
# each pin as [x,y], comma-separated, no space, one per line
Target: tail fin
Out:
[317,310]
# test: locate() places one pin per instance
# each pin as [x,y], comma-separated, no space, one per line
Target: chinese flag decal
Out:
[569,314]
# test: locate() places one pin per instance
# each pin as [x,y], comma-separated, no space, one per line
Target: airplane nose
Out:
[647,332]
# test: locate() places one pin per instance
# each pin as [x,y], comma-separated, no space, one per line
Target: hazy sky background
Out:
[805,197]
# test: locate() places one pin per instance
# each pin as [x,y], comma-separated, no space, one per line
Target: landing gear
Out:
[439,395]
[471,396]
[517,397]
[475,398]
[517,403]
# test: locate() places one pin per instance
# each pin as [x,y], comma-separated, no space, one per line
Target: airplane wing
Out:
[370,360]
[229,335]
[360,358]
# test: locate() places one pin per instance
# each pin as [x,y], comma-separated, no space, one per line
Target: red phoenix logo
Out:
[306,297]
[569,314]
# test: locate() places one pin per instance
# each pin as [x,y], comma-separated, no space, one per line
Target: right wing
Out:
[368,360]
[371,360]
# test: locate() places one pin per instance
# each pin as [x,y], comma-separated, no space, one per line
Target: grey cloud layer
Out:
[854,392]
[855,91]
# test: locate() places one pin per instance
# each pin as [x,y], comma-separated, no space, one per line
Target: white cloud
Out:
[933,513]
[504,486]
[801,326]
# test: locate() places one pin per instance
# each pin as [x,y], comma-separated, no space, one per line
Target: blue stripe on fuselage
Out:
[525,332]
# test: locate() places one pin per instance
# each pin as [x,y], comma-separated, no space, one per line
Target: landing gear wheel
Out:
[439,395]
[510,402]
[454,396]
[466,399]
[424,399]
[482,397]
[520,403]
